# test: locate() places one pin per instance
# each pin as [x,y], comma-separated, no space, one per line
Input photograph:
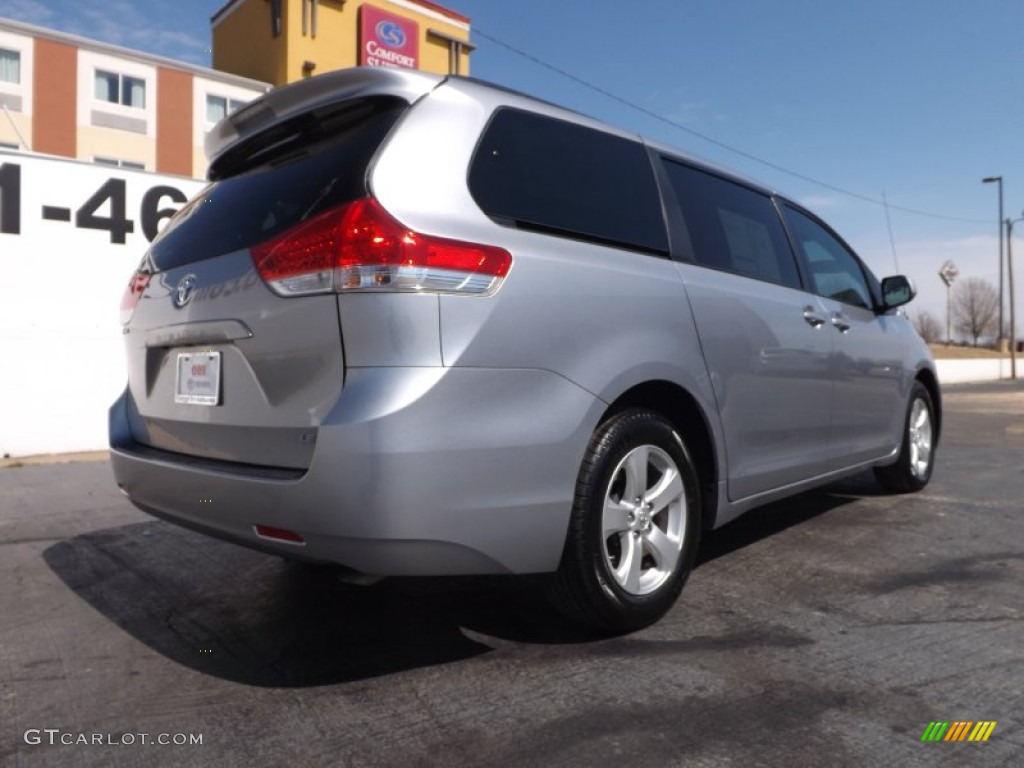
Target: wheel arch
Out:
[683,410]
[930,381]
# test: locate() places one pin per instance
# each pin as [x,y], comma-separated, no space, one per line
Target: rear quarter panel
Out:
[606,319]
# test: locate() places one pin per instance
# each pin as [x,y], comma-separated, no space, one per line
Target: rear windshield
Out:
[277,179]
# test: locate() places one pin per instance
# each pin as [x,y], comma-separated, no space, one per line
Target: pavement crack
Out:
[31,540]
[922,622]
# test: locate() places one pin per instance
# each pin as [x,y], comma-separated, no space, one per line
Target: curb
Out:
[53,458]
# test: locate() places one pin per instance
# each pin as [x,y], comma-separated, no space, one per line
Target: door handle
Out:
[839,322]
[813,319]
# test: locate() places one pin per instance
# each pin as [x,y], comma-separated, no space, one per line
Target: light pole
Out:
[1013,314]
[990,180]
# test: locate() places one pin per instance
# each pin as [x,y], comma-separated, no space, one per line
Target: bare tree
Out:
[975,308]
[928,327]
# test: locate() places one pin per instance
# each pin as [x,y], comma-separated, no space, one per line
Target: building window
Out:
[113,161]
[120,89]
[455,48]
[10,66]
[219,107]
[454,59]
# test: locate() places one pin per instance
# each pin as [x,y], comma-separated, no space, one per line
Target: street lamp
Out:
[990,180]
[1009,277]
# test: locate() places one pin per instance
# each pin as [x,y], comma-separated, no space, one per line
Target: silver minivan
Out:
[423,325]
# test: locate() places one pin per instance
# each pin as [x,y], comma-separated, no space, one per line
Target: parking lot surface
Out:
[829,629]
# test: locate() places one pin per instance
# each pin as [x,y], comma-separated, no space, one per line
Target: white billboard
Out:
[71,235]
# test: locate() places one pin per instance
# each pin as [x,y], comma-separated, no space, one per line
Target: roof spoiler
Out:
[286,101]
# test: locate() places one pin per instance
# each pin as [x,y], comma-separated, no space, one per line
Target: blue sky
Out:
[913,99]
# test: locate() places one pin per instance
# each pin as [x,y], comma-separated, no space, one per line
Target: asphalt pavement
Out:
[830,629]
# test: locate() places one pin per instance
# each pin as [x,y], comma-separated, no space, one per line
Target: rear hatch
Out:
[220,365]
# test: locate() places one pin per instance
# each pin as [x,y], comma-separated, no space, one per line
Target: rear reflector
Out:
[360,247]
[278,534]
[132,293]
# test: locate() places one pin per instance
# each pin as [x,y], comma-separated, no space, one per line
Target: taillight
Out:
[359,247]
[132,293]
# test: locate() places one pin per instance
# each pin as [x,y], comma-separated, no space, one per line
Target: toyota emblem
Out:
[185,291]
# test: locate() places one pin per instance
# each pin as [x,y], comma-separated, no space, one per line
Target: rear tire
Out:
[634,527]
[913,468]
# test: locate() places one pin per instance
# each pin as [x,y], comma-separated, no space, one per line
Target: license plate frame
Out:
[197,378]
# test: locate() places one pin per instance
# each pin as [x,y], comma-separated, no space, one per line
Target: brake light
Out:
[360,247]
[132,293]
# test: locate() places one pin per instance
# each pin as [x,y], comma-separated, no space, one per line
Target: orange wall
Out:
[173,122]
[243,43]
[55,98]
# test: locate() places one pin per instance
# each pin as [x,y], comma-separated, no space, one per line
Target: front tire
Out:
[634,527]
[913,468]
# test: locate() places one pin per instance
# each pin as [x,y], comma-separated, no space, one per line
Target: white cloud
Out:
[817,202]
[677,105]
[125,23]
[29,11]
[687,112]
[692,114]
[974,256]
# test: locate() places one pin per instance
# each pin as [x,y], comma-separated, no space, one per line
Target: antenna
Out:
[888,222]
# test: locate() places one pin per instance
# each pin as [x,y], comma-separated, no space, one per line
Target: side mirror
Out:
[897,291]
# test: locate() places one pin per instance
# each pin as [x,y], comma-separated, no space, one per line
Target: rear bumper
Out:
[417,471]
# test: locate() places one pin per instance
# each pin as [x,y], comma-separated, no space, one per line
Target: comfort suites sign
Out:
[386,40]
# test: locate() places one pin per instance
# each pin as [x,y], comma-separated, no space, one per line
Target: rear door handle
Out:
[813,318]
[839,322]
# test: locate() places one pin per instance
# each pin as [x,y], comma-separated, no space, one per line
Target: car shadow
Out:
[762,522]
[258,620]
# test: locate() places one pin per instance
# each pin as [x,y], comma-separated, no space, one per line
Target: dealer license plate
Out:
[198,380]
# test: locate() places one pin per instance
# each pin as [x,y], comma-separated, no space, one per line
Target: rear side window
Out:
[277,179]
[549,175]
[733,227]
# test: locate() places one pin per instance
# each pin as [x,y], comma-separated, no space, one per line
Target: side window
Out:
[554,176]
[218,107]
[732,227]
[133,164]
[120,89]
[10,66]
[835,272]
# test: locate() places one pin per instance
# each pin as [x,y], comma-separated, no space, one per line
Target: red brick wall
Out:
[173,122]
[55,98]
